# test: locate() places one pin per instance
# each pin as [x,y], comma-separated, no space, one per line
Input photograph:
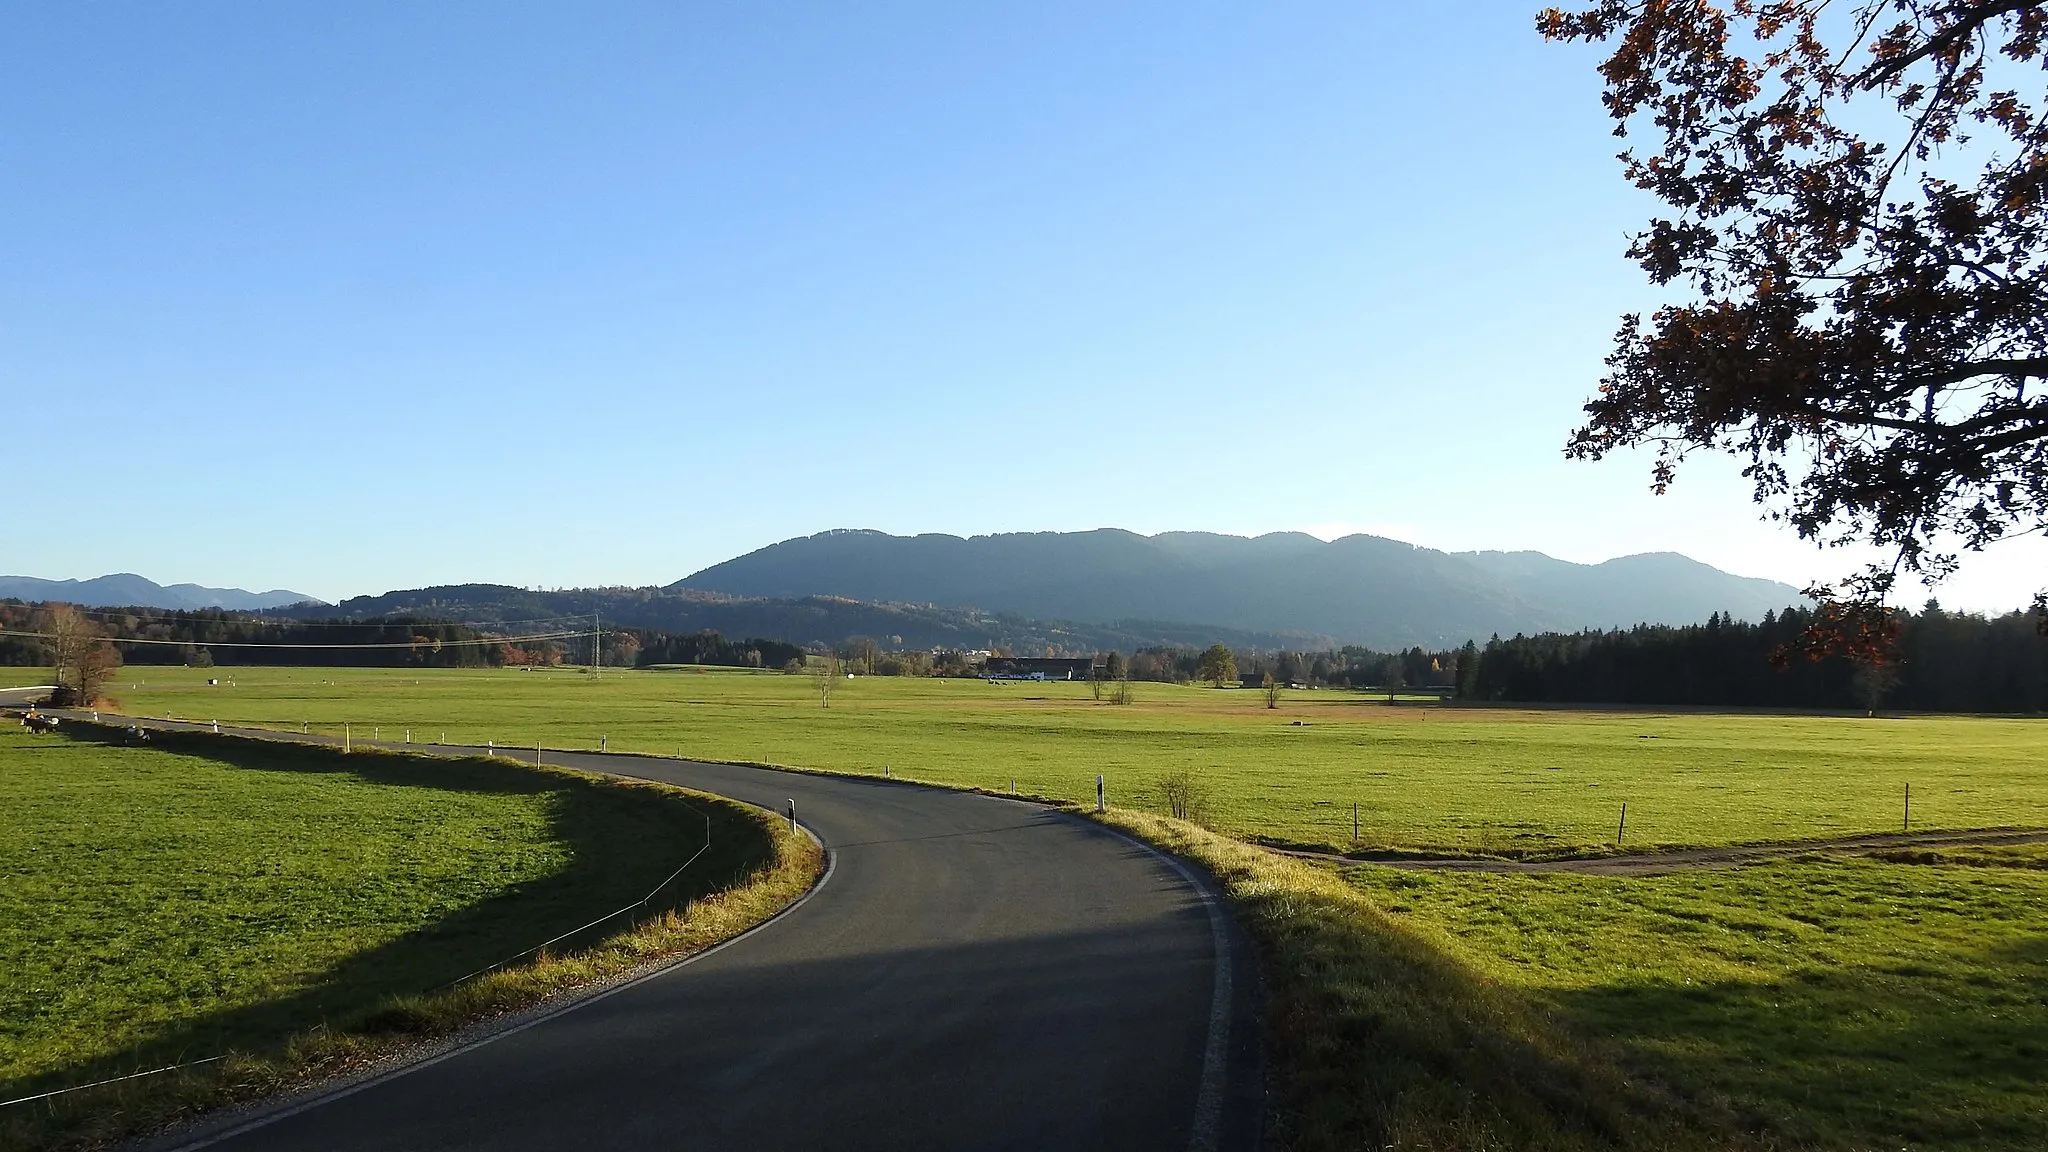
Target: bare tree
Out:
[1186,798]
[79,652]
[1873,681]
[826,674]
[1393,677]
[1121,694]
[1272,687]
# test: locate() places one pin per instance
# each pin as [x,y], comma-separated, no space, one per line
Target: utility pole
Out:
[596,646]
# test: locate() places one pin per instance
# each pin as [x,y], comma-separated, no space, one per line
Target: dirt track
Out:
[1655,863]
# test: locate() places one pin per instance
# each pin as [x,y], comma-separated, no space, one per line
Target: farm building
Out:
[1038,668]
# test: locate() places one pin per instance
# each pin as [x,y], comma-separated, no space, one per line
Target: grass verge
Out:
[1377,1038]
[306,973]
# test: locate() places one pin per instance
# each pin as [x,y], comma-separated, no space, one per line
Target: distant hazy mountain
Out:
[795,620]
[127,590]
[1360,589]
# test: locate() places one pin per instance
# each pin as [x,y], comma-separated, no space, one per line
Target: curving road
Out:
[973,973]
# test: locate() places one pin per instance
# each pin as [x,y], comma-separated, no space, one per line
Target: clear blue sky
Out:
[344,300]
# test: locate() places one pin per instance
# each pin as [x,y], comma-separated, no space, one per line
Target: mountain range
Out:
[1069,591]
[803,620]
[127,590]
[1359,589]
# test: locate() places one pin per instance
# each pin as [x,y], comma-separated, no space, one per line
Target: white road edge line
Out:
[831,865]
[1208,1127]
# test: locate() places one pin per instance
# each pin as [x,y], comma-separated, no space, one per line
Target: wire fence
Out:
[643,902]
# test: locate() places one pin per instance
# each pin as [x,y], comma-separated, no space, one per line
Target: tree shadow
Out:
[1891,1055]
[623,839]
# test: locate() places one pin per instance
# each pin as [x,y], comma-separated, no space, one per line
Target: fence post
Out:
[1099,805]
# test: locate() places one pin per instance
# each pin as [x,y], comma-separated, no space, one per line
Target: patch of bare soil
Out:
[1687,859]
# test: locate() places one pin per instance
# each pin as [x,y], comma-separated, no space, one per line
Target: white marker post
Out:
[344,738]
[490,748]
[792,816]
[1099,805]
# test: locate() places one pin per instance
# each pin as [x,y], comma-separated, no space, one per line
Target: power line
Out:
[430,643]
[228,618]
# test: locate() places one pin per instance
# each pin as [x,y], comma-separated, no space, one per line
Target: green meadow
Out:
[1424,777]
[191,896]
[1843,1003]
[1887,1002]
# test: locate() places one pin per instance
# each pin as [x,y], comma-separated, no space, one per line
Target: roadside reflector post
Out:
[377,733]
[490,748]
[1906,825]
[408,735]
[536,752]
[601,742]
[305,727]
[1623,826]
[1354,822]
[792,816]
[1099,805]
[216,727]
[344,738]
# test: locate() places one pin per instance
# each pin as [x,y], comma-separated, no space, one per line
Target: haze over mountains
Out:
[127,590]
[1359,589]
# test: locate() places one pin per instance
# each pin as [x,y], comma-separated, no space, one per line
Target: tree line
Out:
[208,638]
[1941,661]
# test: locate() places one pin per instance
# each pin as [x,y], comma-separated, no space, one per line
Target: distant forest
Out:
[1947,661]
[211,638]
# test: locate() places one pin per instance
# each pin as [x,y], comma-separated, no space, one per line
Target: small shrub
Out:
[1186,797]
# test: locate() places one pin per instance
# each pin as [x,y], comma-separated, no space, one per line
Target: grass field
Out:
[194,896]
[1846,1003]
[1499,781]
[1893,1002]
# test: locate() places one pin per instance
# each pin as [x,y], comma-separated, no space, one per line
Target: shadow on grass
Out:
[623,838]
[1905,1055]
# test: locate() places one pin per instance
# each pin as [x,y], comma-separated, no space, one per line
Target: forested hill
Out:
[1359,589]
[804,620]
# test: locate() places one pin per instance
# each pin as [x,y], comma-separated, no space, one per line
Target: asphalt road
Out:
[973,973]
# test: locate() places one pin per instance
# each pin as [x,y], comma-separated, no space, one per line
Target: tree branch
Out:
[1885,71]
